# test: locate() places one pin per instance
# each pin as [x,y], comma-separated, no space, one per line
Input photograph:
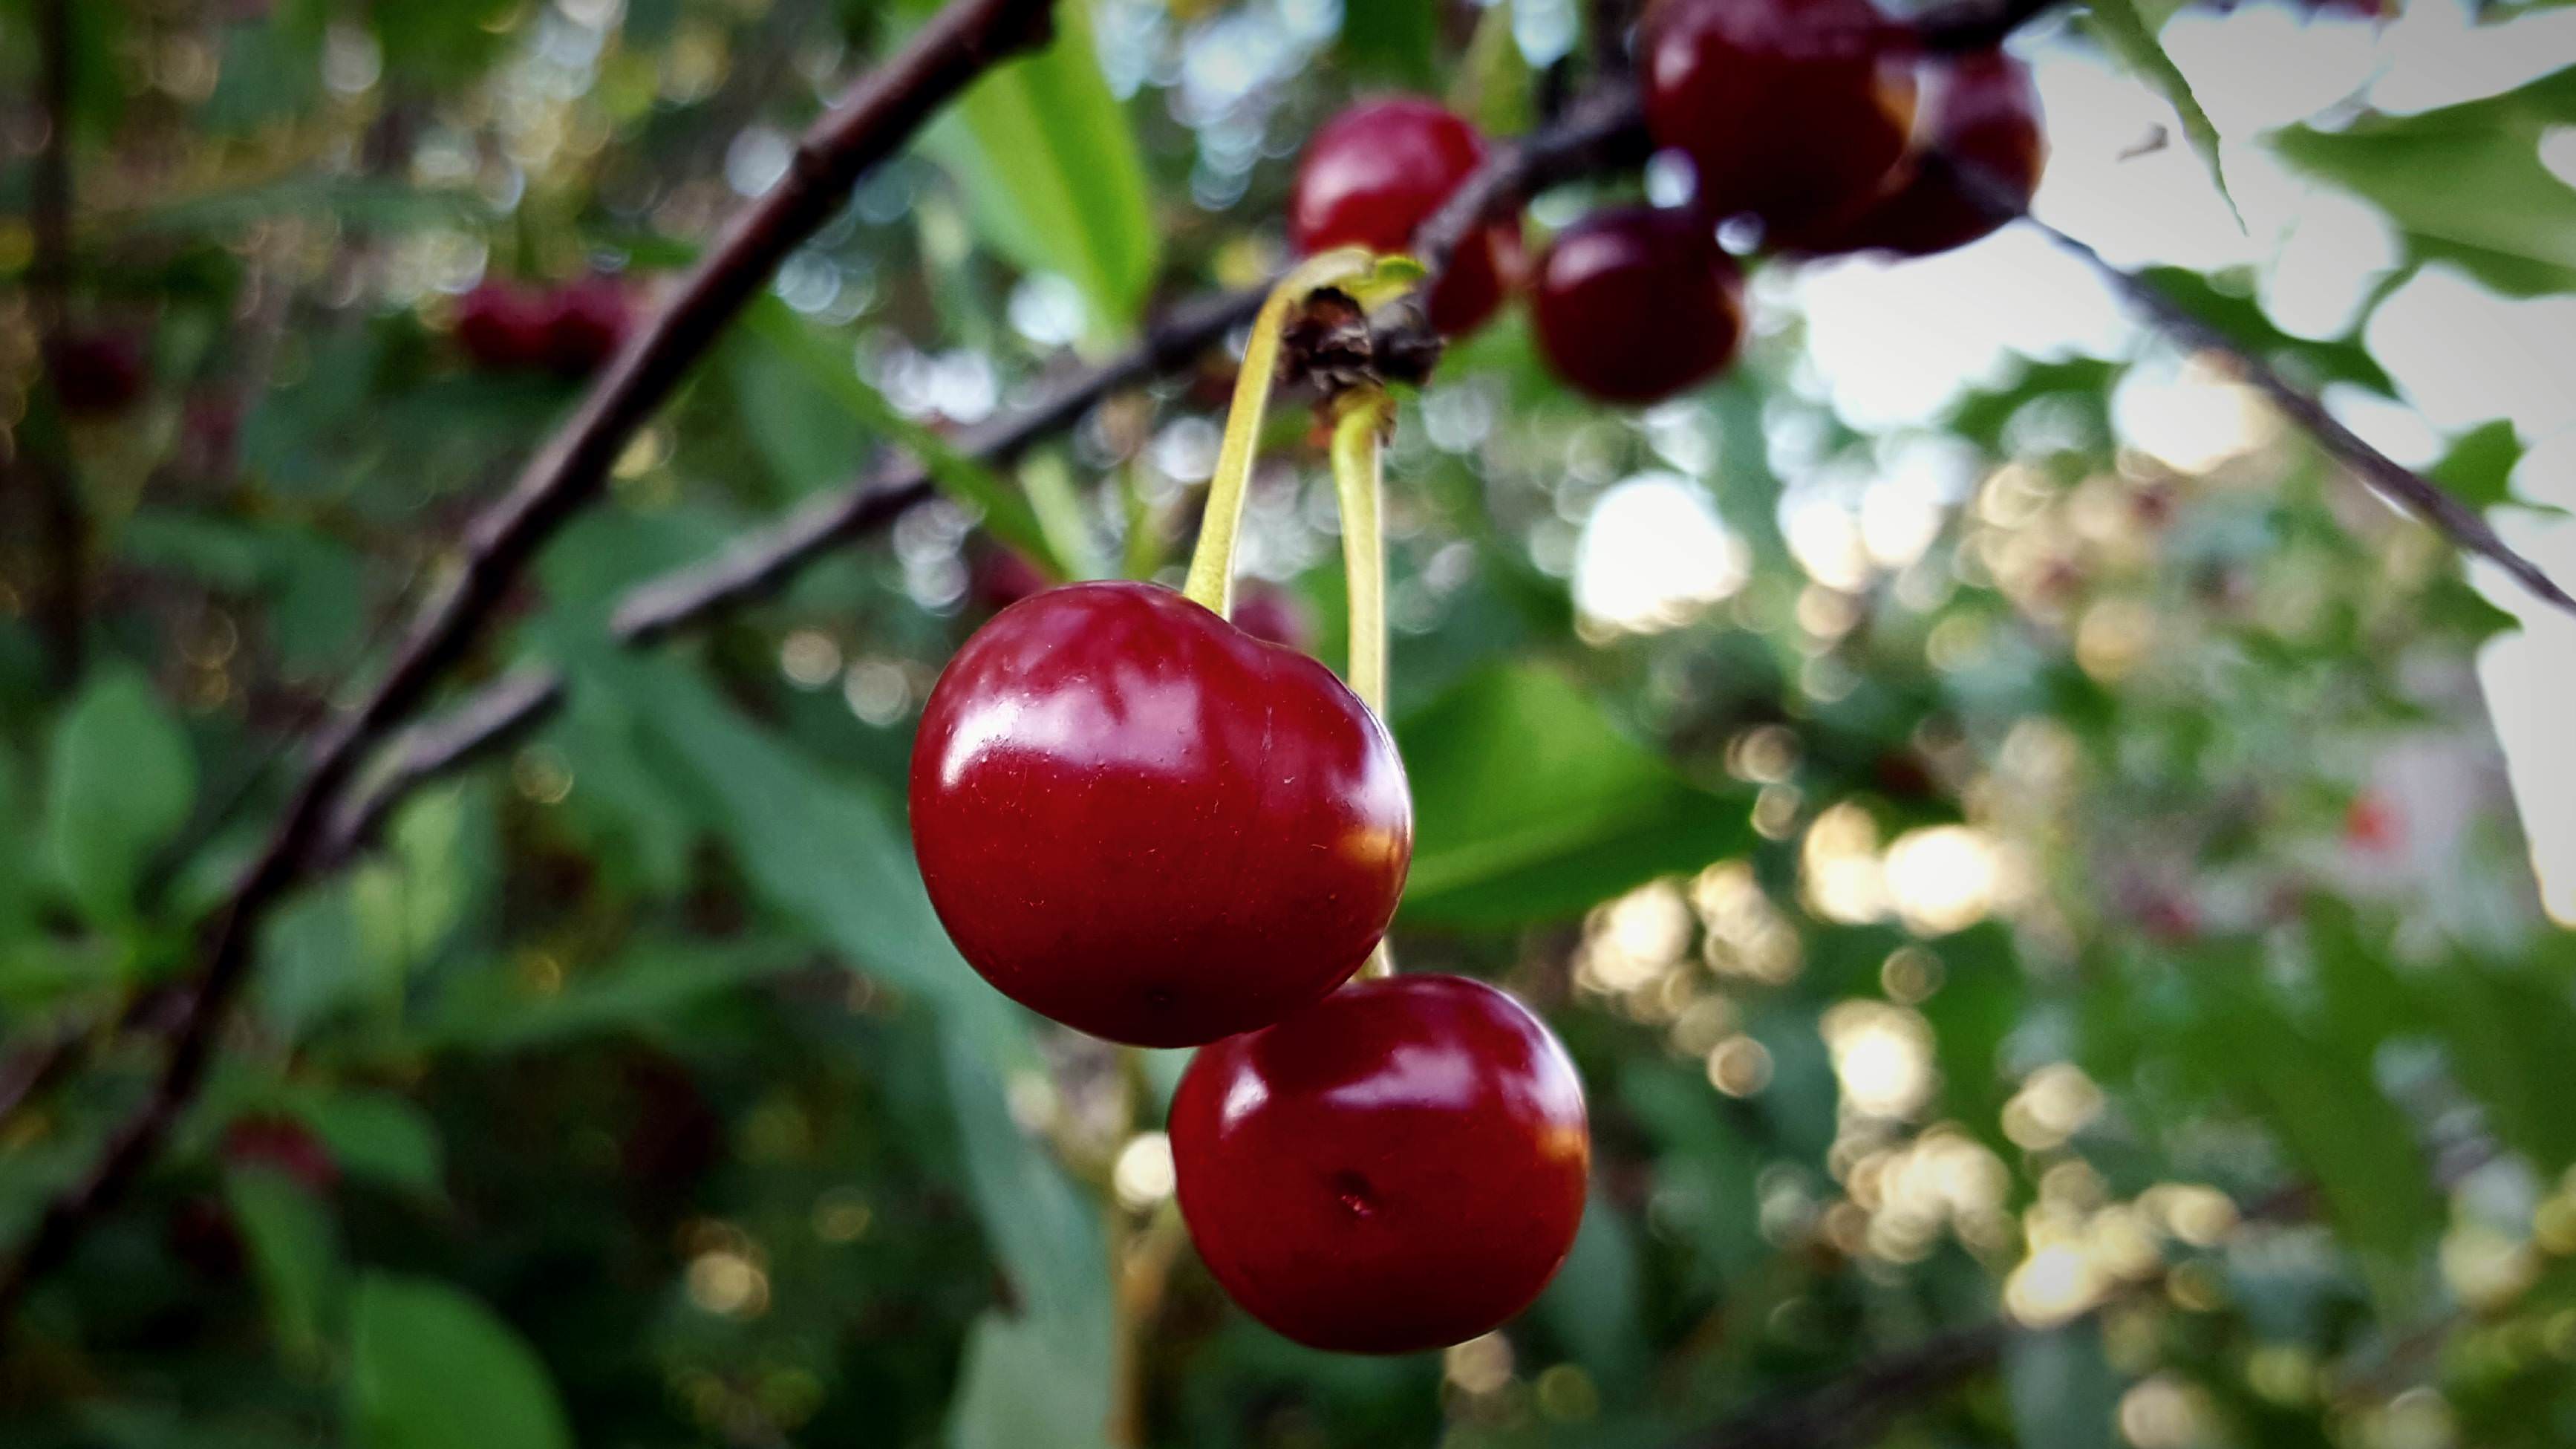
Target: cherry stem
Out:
[1361,418]
[1211,580]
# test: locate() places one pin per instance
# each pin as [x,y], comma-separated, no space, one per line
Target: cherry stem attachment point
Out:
[1211,580]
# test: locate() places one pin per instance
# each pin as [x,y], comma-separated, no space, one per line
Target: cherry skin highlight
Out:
[1981,116]
[1380,169]
[1793,111]
[1141,821]
[1398,1167]
[1633,305]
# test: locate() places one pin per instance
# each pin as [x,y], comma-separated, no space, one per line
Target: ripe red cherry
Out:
[1982,116]
[584,323]
[1633,305]
[96,372]
[284,1145]
[1380,169]
[1398,1167]
[1143,822]
[503,326]
[1794,111]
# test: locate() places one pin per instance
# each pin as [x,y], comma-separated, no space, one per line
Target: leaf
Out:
[1493,84]
[2464,183]
[123,781]
[1051,169]
[2478,469]
[295,1248]
[1529,806]
[2509,1038]
[378,1137]
[1007,512]
[1394,41]
[2237,315]
[1018,1390]
[1596,1305]
[2121,27]
[1044,1233]
[654,984]
[311,968]
[2063,1391]
[431,1368]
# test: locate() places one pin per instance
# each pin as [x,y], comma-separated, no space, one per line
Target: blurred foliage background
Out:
[2036,876]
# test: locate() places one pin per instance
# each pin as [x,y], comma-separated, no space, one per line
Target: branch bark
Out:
[876,117]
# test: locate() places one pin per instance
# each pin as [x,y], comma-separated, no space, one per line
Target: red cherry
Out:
[1633,305]
[1794,111]
[1143,822]
[1398,1167]
[503,326]
[1380,169]
[96,372]
[285,1145]
[1274,616]
[1982,117]
[584,323]
[1002,576]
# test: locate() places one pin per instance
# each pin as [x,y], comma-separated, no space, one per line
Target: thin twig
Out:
[1966,25]
[878,115]
[2410,490]
[62,609]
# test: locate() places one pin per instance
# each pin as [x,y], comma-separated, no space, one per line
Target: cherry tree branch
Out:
[878,115]
[63,522]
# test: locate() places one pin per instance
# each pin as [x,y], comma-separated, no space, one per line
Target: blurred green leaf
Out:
[646,991]
[1596,1305]
[2233,310]
[1530,806]
[2125,30]
[377,1137]
[386,206]
[310,964]
[2510,1039]
[2063,1391]
[2464,183]
[1394,42]
[123,781]
[1051,168]
[1018,1390]
[432,1368]
[2478,469]
[295,1249]
[1493,85]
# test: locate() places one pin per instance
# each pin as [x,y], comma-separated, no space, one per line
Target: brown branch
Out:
[880,112]
[1966,25]
[1855,1408]
[2402,485]
[62,609]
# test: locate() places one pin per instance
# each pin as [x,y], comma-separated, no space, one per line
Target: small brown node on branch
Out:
[1336,345]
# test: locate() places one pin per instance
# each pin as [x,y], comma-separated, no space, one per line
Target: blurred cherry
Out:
[97,371]
[585,322]
[1001,576]
[1633,305]
[504,326]
[1379,170]
[284,1145]
[1793,111]
[1981,149]
[1273,615]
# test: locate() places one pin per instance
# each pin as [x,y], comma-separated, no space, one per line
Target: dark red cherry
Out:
[1398,1167]
[1380,169]
[96,372]
[284,1145]
[1981,117]
[1139,820]
[1794,111]
[1274,616]
[503,326]
[584,323]
[1634,305]
[1002,576]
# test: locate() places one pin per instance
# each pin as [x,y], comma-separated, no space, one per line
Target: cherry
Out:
[1380,169]
[285,1146]
[96,372]
[1274,616]
[1794,111]
[1982,117]
[1139,820]
[584,323]
[1398,1167]
[1633,305]
[1002,576]
[503,326]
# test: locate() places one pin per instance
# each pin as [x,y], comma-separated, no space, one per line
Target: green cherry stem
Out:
[1211,580]
[1361,418]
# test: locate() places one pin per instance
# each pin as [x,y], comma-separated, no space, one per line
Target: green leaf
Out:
[2234,312]
[2478,469]
[2463,183]
[295,1249]
[378,1137]
[1018,1389]
[1395,41]
[651,987]
[1529,806]
[123,781]
[2510,1037]
[431,1368]
[1051,169]
[2063,1391]
[1596,1304]
[2125,30]
[1007,512]
[1044,1233]
[1493,85]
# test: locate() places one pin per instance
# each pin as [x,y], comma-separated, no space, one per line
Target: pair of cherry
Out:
[570,329]
[1820,119]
